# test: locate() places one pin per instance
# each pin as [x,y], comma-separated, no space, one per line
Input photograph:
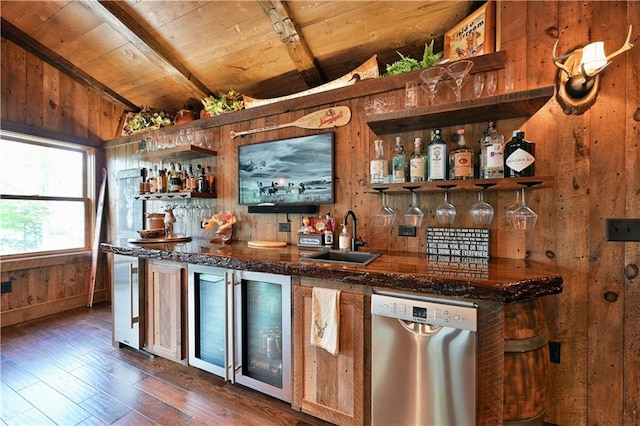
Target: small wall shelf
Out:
[509,105]
[470,185]
[185,152]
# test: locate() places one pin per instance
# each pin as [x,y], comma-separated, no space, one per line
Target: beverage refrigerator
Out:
[240,327]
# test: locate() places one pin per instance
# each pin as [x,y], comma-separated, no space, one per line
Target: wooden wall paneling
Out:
[35,95]
[631,338]
[81,111]
[17,83]
[67,105]
[606,119]
[51,91]
[4,78]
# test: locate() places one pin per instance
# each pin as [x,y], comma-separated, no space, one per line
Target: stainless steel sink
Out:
[340,257]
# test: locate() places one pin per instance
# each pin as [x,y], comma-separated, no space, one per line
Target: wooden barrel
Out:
[526,363]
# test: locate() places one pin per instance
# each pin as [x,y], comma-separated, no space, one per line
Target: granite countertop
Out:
[502,280]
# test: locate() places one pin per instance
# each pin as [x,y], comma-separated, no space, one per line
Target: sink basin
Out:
[340,257]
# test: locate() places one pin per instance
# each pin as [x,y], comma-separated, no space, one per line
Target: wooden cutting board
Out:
[266,244]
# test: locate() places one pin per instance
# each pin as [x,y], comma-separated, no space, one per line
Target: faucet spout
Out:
[354,230]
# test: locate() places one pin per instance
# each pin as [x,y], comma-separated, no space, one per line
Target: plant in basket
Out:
[146,119]
[224,102]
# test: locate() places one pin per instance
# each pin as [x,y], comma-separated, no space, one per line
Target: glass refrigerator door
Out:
[208,322]
[264,335]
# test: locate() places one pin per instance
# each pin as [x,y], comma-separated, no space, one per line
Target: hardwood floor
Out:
[63,370]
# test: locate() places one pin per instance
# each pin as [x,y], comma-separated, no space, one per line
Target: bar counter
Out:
[500,280]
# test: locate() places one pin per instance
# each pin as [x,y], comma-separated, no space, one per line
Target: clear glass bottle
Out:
[379,166]
[344,242]
[461,159]
[399,162]
[417,163]
[492,153]
[437,157]
[519,156]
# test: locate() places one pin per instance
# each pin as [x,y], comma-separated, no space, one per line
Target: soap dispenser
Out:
[344,242]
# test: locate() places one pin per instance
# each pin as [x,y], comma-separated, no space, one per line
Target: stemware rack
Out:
[466,185]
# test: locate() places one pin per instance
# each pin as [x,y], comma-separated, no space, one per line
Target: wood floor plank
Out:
[193,403]
[31,417]
[105,408]
[16,377]
[11,403]
[53,404]
[65,367]
[131,397]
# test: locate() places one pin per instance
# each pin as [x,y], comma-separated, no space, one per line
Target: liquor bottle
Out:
[173,179]
[437,157]
[379,166]
[399,162]
[162,179]
[461,159]
[202,184]
[153,179]
[519,156]
[417,163]
[492,153]
[210,180]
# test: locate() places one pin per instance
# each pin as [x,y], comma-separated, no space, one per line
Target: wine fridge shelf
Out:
[468,185]
[504,106]
[185,152]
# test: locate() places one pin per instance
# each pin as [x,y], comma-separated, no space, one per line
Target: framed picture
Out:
[473,36]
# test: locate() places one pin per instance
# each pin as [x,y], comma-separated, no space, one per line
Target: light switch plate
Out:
[622,230]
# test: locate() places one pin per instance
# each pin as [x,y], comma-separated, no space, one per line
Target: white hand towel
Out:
[325,319]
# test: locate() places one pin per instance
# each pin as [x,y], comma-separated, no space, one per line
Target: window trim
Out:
[88,190]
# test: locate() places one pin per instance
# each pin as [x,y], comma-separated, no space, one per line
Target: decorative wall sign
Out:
[461,242]
[473,36]
[460,267]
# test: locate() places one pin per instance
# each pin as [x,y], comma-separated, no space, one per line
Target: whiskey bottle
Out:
[417,163]
[437,158]
[379,166]
[399,162]
[461,159]
[519,156]
[492,153]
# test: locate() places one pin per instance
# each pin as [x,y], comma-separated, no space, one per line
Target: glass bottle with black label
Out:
[461,159]
[519,156]
[437,157]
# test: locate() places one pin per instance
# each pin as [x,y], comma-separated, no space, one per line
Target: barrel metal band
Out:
[525,345]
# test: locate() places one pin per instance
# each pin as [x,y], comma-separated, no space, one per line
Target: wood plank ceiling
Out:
[168,54]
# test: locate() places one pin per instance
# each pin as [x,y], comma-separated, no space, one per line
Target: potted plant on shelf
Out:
[223,103]
[145,119]
[407,63]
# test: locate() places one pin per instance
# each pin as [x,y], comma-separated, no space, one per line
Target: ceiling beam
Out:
[17,36]
[115,16]
[297,47]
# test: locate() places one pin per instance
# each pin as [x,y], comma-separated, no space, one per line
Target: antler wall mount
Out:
[579,74]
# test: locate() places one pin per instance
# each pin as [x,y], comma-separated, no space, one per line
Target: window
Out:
[45,203]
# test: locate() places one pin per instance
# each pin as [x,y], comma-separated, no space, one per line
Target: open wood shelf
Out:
[504,184]
[184,152]
[168,196]
[509,105]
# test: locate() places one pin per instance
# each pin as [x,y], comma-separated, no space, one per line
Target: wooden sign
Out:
[461,242]
[473,36]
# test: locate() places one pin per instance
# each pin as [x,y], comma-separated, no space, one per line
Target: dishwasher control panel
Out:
[460,315]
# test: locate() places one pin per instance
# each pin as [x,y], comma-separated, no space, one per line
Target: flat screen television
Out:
[295,171]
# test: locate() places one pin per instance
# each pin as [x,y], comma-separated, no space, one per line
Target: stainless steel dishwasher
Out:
[423,361]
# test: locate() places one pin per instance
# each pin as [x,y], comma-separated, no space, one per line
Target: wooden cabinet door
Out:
[165,286]
[334,388]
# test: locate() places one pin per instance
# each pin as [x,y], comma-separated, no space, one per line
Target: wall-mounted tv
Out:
[295,171]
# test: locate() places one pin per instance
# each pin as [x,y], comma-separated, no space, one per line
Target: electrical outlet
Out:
[6,287]
[622,230]
[554,352]
[284,227]
[406,231]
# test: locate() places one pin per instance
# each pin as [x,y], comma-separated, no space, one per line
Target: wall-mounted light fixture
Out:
[579,75]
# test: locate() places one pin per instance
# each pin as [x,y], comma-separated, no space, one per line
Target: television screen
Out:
[287,171]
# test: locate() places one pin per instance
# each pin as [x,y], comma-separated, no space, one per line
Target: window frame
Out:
[88,190]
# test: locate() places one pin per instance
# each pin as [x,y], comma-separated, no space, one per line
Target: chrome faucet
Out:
[355,242]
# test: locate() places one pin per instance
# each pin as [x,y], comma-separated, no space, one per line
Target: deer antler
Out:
[626,46]
[557,59]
